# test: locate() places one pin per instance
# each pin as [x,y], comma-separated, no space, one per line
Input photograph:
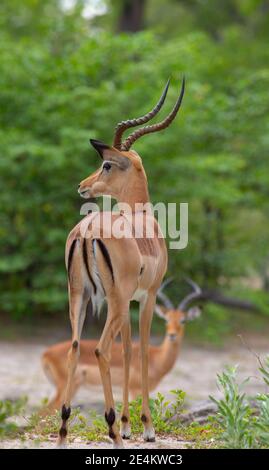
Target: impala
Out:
[161,358]
[120,269]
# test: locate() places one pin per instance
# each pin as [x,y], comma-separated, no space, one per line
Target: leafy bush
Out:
[61,85]
[245,423]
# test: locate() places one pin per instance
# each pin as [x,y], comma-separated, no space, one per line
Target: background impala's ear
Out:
[193,313]
[160,311]
[99,146]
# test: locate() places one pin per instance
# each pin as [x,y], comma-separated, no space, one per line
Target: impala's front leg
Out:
[145,318]
[125,428]
[115,320]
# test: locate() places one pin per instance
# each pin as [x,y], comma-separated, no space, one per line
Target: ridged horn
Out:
[194,295]
[123,125]
[126,145]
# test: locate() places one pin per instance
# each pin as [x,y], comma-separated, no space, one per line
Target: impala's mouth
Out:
[85,193]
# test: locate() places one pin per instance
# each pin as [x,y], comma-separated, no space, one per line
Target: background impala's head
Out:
[177,316]
[122,170]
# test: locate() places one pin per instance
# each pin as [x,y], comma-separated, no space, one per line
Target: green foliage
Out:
[8,411]
[63,81]
[161,412]
[90,426]
[245,425]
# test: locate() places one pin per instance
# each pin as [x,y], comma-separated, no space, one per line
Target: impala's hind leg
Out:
[145,318]
[115,319]
[125,429]
[78,304]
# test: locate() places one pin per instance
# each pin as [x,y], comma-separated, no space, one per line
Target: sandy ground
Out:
[195,373]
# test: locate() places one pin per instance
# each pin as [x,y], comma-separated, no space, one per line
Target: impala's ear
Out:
[111,154]
[161,312]
[193,313]
[99,146]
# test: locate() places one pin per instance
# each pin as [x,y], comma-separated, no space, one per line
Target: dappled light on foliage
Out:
[65,80]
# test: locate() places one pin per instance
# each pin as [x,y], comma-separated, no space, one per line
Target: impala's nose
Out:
[172,336]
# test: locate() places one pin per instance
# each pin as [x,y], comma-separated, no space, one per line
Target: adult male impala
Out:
[162,358]
[101,265]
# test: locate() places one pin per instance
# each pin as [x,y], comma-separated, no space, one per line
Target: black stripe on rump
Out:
[106,256]
[85,259]
[70,256]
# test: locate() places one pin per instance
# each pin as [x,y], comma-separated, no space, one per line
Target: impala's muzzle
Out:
[84,192]
[172,337]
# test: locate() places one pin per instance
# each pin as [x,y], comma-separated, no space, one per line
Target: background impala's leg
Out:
[125,428]
[115,319]
[145,318]
[78,304]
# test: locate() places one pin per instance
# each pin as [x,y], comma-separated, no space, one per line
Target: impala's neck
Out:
[135,191]
[168,353]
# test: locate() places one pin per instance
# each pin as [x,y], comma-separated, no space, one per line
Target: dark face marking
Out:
[124,419]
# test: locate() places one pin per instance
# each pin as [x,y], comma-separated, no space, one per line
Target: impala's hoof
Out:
[149,439]
[118,445]
[125,432]
[149,435]
[61,443]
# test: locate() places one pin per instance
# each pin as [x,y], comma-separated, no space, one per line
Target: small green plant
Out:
[233,411]
[92,426]
[8,411]
[244,425]
[162,411]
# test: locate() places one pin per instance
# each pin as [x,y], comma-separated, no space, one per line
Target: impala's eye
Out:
[106,166]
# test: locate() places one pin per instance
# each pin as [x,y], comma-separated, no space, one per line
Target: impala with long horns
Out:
[118,269]
[162,358]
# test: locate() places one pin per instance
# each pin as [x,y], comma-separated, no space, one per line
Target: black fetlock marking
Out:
[65,413]
[144,419]
[124,419]
[63,433]
[75,345]
[111,434]
[110,417]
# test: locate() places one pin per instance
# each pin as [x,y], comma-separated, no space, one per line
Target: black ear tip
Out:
[99,146]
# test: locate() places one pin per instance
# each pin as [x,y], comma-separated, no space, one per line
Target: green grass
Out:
[8,411]
[91,427]
[244,422]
